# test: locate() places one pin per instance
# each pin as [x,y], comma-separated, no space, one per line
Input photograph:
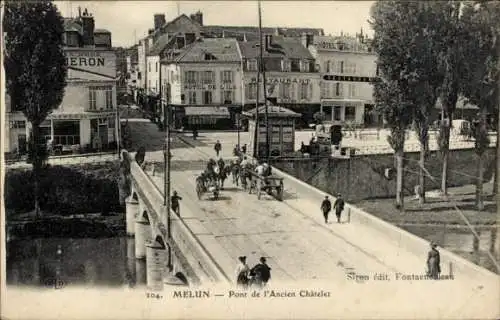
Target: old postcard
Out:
[250,159]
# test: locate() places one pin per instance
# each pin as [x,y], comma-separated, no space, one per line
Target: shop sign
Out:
[283,80]
[100,62]
[200,86]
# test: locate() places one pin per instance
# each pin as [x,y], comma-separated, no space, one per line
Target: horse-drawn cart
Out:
[206,186]
[266,184]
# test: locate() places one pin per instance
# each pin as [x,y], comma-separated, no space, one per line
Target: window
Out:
[341,67]
[305,66]
[350,113]
[191,97]
[18,124]
[252,65]
[208,77]
[227,97]
[156,66]
[285,90]
[338,89]
[227,76]
[92,98]
[251,91]
[190,76]
[324,90]
[286,65]
[207,97]
[327,66]
[293,94]
[352,90]
[303,91]
[109,97]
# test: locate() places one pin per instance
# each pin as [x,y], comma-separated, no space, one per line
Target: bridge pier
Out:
[131,209]
[155,264]
[142,234]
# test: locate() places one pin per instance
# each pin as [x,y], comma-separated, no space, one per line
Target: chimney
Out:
[159,20]
[268,41]
[198,17]
[309,39]
[88,28]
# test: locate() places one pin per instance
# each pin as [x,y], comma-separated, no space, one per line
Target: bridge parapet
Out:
[202,266]
[450,262]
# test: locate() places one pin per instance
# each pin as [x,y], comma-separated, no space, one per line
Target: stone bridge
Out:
[205,241]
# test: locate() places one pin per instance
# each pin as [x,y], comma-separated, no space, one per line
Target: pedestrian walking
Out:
[326,207]
[174,203]
[242,272]
[339,206]
[261,273]
[217,148]
[244,148]
[433,262]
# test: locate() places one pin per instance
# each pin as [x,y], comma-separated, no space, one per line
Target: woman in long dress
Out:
[433,262]
[242,272]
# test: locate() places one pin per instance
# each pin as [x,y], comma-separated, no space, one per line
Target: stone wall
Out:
[362,177]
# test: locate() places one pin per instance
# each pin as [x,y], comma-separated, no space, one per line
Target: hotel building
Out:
[347,65]
[86,118]
[291,77]
[203,83]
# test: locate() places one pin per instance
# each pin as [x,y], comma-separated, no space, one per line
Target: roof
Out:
[220,50]
[71,24]
[101,31]
[160,45]
[280,47]
[272,111]
[166,25]
[217,30]
[349,43]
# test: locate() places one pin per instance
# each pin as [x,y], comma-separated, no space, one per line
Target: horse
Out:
[245,174]
[235,171]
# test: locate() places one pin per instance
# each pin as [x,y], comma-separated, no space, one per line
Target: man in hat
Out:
[174,203]
[326,207]
[261,273]
[433,262]
[339,206]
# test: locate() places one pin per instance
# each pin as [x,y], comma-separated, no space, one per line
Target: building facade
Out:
[347,66]
[204,84]
[86,118]
[291,77]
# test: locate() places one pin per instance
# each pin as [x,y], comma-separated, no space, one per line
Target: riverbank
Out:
[76,201]
[437,210]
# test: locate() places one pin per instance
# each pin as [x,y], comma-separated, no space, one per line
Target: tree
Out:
[450,64]
[480,86]
[392,44]
[35,68]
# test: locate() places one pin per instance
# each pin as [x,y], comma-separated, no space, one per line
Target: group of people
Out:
[257,276]
[326,207]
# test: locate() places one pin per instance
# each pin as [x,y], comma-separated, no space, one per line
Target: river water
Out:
[50,262]
[111,262]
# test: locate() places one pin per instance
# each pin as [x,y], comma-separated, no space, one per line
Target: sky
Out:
[128,21]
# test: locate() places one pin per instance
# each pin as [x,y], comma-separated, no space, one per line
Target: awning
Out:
[214,112]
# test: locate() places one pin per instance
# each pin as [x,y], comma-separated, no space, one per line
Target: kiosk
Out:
[281,130]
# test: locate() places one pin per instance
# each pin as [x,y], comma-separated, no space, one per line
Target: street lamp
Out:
[166,161]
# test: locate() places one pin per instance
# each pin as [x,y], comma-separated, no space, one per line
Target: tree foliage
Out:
[35,68]
[35,64]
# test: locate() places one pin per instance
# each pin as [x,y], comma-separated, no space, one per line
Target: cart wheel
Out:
[279,191]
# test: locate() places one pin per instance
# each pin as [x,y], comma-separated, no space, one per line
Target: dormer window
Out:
[209,56]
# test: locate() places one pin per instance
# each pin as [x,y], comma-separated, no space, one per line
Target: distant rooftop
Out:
[217,30]
[343,43]
[280,47]
[211,50]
